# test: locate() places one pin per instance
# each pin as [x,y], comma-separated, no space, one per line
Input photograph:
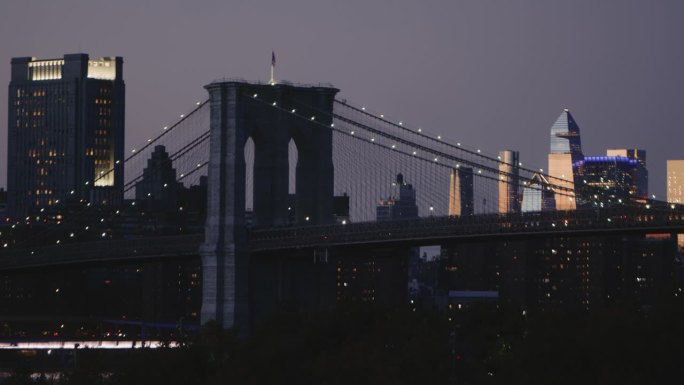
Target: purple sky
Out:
[492,74]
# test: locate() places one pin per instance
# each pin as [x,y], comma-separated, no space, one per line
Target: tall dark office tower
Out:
[65,131]
[158,188]
[402,207]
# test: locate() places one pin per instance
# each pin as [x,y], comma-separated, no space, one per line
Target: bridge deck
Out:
[575,222]
[102,251]
[553,223]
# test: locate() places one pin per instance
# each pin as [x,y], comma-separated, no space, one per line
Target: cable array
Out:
[369,152]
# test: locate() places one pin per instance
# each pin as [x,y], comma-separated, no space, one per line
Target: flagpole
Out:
[272,81]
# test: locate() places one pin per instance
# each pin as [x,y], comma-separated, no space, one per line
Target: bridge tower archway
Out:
[249,174]
[293,158]
[239,111]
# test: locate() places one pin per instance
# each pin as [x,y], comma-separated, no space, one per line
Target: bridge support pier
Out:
[240,111]
[224,290]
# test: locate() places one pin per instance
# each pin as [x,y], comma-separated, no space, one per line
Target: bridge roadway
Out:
[98,252]
[436,229]
[619,220]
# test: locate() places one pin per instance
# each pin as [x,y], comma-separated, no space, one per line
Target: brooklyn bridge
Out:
[285,194]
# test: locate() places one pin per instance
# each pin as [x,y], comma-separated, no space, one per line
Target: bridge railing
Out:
[102,251]
[663,219]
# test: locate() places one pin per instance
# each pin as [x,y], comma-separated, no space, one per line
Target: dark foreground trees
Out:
[363,344]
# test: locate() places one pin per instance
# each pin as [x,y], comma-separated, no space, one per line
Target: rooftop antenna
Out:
[272,81]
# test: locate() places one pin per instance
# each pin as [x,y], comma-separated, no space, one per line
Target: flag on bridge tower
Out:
[272,81]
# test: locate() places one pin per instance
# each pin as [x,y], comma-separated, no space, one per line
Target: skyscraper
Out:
[158,188]
[508,182]
[461,192]
[675,181]
[675,188]
[606,179]
[65,131]
[566,149]
[537,196]
[611,179]
[639,173]
[402,207]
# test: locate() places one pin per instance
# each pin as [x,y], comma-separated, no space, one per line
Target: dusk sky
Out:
[492,74]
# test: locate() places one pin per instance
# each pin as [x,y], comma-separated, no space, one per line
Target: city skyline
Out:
[441,67]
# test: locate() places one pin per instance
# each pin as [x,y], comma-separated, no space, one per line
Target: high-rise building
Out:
[537,195]
[610,179]
[341,208]
[580,272]
[402,207]
[605,179]
[675,181]
[639,173]
[508,182]
[3,202]
[461,192]
[566,149]
[675,188]
[65,131]
[158,188]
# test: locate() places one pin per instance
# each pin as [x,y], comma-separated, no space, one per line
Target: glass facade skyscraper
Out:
[566,149]
[565,136]
[639,172]
[606,180]
[618,176]
[65,131]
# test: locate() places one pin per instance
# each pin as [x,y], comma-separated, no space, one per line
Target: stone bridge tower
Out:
[236,115]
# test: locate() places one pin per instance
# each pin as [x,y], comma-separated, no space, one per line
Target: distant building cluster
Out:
[567,273]
[573,179]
